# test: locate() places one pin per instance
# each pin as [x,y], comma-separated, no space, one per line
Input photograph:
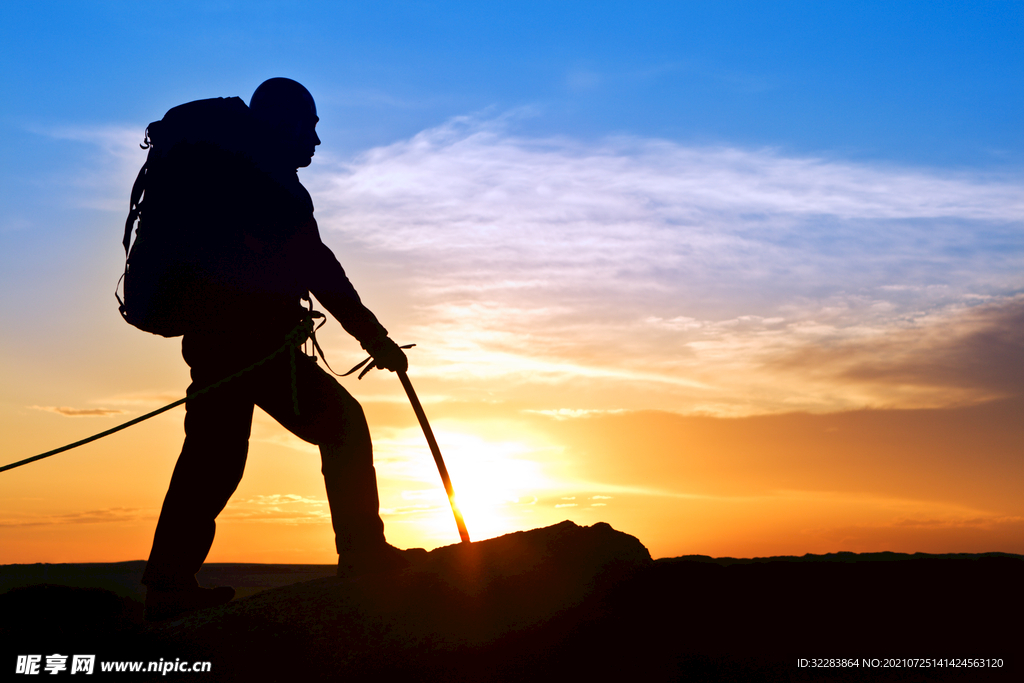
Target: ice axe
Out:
[436,452]
[427,432]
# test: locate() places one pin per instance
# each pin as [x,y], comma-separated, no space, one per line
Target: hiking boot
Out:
[379,560]
[166,604]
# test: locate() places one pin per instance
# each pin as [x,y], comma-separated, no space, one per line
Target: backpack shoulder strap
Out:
[133,207]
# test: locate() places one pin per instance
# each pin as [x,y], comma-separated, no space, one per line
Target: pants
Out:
[217,427]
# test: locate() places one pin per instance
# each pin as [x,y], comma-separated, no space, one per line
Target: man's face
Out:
[288,113]
[302,140]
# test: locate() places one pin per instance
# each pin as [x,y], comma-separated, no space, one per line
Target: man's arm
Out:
[329,284]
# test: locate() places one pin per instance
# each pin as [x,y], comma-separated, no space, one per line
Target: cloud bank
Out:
[695,279]
[704,270]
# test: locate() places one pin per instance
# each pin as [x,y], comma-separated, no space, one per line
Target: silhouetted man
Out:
[268,253]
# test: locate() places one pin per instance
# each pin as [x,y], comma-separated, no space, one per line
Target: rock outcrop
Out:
[444,614]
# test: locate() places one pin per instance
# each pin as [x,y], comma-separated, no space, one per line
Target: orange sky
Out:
[906,480]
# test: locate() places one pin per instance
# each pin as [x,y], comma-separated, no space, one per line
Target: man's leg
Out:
[330,418]
[211,463]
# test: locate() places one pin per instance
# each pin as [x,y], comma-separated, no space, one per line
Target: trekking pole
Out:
[422,417]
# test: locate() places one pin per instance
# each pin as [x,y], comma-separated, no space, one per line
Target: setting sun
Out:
[495,484]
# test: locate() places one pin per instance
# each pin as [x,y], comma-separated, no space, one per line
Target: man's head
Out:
[290,112]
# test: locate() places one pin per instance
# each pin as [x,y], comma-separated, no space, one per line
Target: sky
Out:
[740,279]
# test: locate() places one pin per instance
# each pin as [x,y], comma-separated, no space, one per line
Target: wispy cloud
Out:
[278,508]
[80,412]
[106,515]
[276,499]
[634,262]
[685,278]
[971,352]
[571,413]
[105,183]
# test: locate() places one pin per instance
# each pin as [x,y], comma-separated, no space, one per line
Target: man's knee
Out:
[342,423]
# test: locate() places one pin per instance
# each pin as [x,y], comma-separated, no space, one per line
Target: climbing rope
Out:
[303,331]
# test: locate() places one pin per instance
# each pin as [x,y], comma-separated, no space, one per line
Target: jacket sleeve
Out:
[327,281]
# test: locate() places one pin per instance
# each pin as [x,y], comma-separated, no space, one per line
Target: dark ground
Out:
[565,602]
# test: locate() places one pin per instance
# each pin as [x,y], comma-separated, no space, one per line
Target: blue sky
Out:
[576,209]
[936,83]
[931,87]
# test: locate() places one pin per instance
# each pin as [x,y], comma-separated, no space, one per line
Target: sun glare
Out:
[496,484]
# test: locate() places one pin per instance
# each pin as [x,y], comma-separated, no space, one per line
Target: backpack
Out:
[185,200]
